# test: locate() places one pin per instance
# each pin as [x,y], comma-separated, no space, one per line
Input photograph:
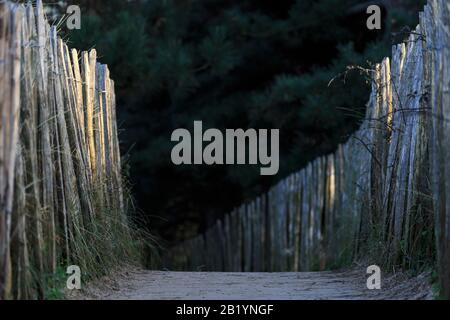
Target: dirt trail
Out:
[138,284]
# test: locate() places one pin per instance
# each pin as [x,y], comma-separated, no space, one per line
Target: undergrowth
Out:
[110,240]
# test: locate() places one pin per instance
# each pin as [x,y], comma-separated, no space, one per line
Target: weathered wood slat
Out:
[50,162]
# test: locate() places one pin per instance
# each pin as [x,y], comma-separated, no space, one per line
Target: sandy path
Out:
[138,284]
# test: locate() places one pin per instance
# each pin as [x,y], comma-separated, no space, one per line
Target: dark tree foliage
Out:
[231,64]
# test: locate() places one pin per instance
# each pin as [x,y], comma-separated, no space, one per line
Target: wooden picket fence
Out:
[384,194]
[61,194]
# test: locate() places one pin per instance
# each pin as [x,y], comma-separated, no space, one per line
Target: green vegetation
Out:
[55,284]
